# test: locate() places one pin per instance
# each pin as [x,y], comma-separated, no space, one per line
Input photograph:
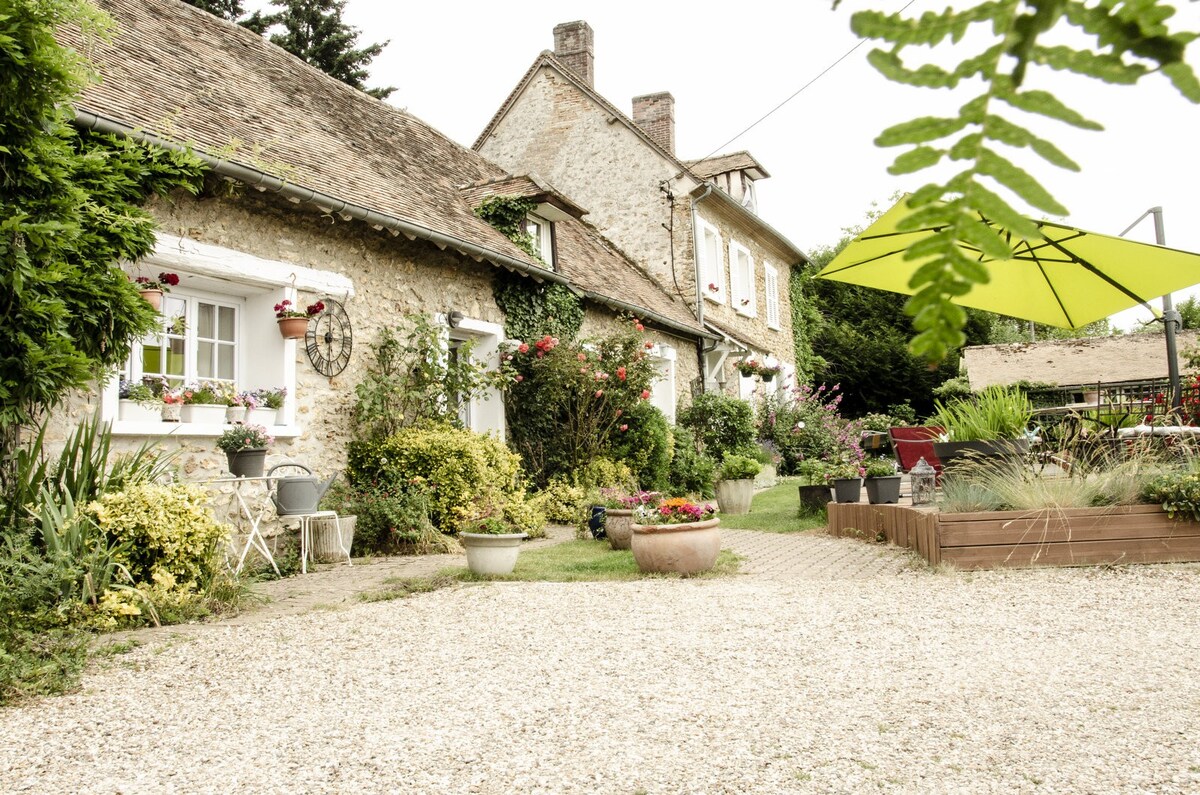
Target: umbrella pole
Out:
[1171,318]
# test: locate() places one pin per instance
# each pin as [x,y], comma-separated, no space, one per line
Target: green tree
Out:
[313,30]
[226,9]
[69,211]
[1131,41]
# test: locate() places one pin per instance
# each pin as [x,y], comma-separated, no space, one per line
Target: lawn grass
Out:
[586,561]
[776,510]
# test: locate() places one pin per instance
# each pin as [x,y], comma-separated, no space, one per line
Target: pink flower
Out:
[520,378]
[645,394]
[624,428]
[619,412]
[621,373]
[639,327]
[583,370]
[649,345]
[522,348]
[582,357]
[599,393]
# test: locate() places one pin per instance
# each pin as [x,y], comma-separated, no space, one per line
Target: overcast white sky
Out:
[727,64]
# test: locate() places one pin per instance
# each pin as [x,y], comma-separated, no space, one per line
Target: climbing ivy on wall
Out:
[507,214]
[531,311]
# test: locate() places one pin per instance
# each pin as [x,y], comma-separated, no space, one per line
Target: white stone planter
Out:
[210,413]
[733,496]
[235,414]
[133,411]
[262,416]
[492,554]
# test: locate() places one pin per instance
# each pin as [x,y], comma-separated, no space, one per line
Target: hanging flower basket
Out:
[293,328]
[153,297]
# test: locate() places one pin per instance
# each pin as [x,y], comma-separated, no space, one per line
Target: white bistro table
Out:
[253,507]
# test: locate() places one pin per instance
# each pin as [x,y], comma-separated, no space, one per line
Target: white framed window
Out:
[710,250]
[485,412]
[771,283]
[198,341]
[662,391]
[541,231]
[741,280]
[219,325]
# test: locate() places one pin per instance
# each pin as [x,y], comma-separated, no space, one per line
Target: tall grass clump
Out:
[997,412]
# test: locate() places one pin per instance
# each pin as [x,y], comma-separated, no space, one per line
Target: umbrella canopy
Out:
[1069,279]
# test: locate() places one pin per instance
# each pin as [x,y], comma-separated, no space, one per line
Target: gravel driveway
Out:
[1046,681]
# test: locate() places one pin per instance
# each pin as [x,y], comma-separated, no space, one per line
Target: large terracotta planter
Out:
[492,554]
[684,548]
[733,496]
[618,525]
[293,328]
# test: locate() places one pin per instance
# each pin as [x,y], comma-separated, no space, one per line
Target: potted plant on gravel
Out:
[293,321]
[735,483]
[492,545]
[245,447]
[991,424]
[883,482]
[677,536]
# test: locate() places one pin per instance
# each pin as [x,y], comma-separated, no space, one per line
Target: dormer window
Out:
[541,232]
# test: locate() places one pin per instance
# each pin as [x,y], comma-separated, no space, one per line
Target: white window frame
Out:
[191,343]
[253,285]
[483,413]
[543,236]
[742,284]
[662,391]
[771,287]
[710,272]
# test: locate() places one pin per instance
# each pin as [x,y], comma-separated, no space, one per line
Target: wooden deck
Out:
[998,539]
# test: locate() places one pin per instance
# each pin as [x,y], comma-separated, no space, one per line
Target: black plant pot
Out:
[847,489]
[596,522]
[247,463]
[883,491]
[954,453]
[813,499]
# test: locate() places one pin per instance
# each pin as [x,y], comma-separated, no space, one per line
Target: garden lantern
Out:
[924,483]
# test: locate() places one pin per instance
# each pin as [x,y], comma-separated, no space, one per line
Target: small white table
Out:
[253,515]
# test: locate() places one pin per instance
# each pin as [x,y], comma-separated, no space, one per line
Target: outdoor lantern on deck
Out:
[924,483]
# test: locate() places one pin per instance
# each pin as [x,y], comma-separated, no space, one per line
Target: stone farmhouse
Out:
[693,224]
[328,193]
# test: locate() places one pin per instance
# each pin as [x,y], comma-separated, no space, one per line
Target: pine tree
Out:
[314,31]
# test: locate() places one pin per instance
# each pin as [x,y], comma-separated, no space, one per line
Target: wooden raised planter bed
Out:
[999,539]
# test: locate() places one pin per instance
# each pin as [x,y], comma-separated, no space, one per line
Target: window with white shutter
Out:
[741,280]
[712,262]
[771,280]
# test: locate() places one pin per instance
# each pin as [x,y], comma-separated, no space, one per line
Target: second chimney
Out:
[573,46]
[655,114]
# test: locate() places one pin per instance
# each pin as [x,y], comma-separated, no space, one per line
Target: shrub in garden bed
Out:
[806,424]
[692,471]
[721,424]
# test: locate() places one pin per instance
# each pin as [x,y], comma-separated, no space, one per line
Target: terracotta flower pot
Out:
[293,328]
[618,525]
[684,548]
[153,297]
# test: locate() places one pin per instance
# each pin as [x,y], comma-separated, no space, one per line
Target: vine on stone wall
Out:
[532,311]
[507,214]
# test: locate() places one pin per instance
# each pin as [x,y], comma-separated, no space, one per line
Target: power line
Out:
[798,91]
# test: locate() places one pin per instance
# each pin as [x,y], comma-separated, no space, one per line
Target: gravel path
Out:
[1077,680]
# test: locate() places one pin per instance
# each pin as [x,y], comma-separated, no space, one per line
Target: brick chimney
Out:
[655,114]
[573,46]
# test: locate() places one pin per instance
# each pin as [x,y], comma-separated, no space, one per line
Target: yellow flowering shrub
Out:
[171,531]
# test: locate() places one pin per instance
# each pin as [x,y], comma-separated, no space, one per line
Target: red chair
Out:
[913,444]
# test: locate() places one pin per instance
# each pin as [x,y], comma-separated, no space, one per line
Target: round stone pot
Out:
[247,463]
[847,489]
[733,496]
[618,525]
[492,554]
[815,498]
[883,491]
[684,548]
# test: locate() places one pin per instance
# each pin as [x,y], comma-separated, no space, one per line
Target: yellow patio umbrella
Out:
[1069,279]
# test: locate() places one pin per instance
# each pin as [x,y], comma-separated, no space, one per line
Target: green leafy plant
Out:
[722,424]
[996,413]
[646,445]
[692,472]
[392,517]
[1133,40]
[533,311]
[739,467]
[806,424]
[141,394]
[244,437]
[508,214]
[812,472]
[843,470]
[879,467]
[208,393]
[271,398]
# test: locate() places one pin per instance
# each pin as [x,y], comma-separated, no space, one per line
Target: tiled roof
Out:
[734,161]
[190,77]
[525,186]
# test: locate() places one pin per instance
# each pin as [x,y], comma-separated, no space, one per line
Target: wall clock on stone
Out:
[329,339]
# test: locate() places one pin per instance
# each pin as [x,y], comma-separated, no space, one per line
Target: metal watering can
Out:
[298,494]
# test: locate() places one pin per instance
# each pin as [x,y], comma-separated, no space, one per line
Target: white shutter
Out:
[771,279]
[711,266]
